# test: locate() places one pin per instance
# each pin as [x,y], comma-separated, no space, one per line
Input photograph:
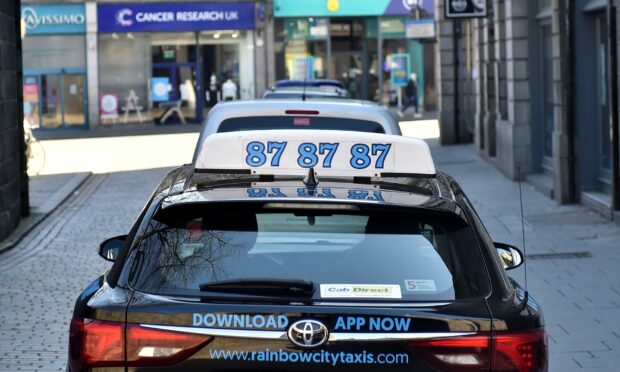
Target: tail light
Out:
[504,351]
[301,112]
[525,351]
[96,343]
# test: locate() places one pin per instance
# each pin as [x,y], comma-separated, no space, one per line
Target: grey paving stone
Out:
[44,274]
[579,296]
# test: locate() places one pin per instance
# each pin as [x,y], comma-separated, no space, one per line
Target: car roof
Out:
[308,83]
[186,186]
[322,90]
[329,89]
[262,104]
[309,88]
[298,93]
[334,107]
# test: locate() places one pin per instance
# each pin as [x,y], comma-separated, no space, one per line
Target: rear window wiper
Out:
[262,286]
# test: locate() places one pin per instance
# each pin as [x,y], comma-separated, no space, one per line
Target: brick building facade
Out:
[13,178]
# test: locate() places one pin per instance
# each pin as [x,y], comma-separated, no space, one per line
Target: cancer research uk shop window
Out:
[156,57]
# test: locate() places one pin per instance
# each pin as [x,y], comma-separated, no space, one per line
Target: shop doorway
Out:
[604,136]
[180,101]
[190,72]
[348,67]
[175,79]
[544,106]
[55,99]
[227,71]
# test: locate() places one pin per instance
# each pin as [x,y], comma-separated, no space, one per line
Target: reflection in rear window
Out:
[299,122]
[429,257]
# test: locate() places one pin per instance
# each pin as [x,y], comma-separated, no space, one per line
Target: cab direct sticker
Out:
[360,291]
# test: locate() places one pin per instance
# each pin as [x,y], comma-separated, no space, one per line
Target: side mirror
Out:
[109,248]
[511,256]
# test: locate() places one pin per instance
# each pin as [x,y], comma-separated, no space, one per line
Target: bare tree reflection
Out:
[175,257]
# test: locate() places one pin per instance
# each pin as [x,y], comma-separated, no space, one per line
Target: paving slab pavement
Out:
[43,275]
[573,257]
[46,193]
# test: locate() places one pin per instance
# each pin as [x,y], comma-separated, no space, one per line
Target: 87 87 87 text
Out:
[309,154]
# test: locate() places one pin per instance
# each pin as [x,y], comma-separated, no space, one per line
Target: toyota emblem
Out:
[308,333]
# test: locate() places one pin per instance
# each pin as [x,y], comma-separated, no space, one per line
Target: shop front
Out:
[54,66]
[170,62]
[342,39]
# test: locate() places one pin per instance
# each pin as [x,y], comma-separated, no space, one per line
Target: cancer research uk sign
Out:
[53,19]
[175,17]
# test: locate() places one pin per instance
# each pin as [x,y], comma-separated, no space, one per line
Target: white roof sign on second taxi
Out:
[330,153]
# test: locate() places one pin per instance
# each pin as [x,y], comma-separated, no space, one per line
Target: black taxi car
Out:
[307,251]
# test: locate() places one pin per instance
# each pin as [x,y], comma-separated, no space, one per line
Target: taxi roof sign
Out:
[328,152]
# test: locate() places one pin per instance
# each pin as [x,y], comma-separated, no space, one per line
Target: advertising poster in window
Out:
[399,69]
[31,101]
[109,107]
[160,91]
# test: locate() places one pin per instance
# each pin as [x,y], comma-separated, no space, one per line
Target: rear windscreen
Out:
[394,256]
[299,122]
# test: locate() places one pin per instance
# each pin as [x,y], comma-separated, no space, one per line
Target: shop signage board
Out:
[305,29]
[391,27]
[53,19]
[319,28]
[399,69]
[420,29]
[171,17]
[109,106]
[169,52]
[465,8]
[350,8]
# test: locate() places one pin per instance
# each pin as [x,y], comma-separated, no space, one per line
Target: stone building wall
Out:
[542,96]
[13,180]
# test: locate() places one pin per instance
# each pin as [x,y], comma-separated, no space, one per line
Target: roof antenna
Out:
[526,294]
[310,180]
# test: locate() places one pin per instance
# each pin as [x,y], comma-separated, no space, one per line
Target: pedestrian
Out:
[411,90]
[229,90]
[213,93]
[352,85]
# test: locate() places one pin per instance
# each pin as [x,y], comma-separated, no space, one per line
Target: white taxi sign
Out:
[330,153]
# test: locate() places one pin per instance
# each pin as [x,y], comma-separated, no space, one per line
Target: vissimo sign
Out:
[54,19]
[175,17]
